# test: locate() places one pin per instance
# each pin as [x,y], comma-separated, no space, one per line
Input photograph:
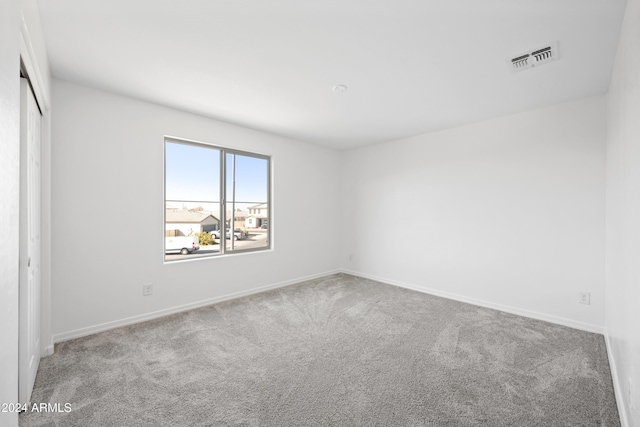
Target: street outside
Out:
[257,238]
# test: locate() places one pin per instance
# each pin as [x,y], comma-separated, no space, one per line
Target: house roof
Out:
[260,206]
[258,216]
[186,216]
[238,214]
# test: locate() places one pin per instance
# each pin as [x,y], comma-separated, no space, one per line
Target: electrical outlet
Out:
[147,289]
[350,257]
[585,298]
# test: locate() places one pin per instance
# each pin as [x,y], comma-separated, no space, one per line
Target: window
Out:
[217,200]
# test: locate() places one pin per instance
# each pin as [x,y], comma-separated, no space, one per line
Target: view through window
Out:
[217,200]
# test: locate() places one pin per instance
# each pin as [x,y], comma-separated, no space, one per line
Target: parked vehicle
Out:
[181,244]
[237,234]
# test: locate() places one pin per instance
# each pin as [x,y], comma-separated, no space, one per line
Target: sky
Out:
[193,174]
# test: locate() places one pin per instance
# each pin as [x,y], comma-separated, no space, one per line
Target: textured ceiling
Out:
[411,66]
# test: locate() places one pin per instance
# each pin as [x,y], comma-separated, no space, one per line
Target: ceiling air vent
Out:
[534,57]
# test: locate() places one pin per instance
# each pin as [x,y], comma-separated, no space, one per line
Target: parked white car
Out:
[237,234]
[181,244]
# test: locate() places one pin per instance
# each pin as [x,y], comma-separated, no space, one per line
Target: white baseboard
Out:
[617,387]
[47,351]
[90,330]
[487,304]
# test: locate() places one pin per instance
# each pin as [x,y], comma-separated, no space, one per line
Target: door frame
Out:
[39,81]
[30,283]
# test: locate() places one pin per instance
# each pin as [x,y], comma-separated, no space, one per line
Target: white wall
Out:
[506,213]
[9,195]
[108,154]
[623,217]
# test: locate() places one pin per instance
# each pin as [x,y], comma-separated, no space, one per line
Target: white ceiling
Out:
[411,66]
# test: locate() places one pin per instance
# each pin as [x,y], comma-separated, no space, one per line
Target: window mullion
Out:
[223,204]
[232,220]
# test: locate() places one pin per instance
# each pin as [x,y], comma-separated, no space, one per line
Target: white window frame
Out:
[223,202]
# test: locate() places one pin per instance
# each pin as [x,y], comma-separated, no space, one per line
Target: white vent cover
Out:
[534,57]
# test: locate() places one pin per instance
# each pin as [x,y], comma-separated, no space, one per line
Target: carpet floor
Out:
[335,351]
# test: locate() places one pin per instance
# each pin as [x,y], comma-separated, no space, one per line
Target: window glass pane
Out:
[186,222]
[250,179]
[250,230]
[192,172]
[247,189]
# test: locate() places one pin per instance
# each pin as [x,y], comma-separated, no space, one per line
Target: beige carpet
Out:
[337,351]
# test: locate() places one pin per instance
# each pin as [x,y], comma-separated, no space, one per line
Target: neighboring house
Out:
[258,216]
[184,222]
[239,218]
